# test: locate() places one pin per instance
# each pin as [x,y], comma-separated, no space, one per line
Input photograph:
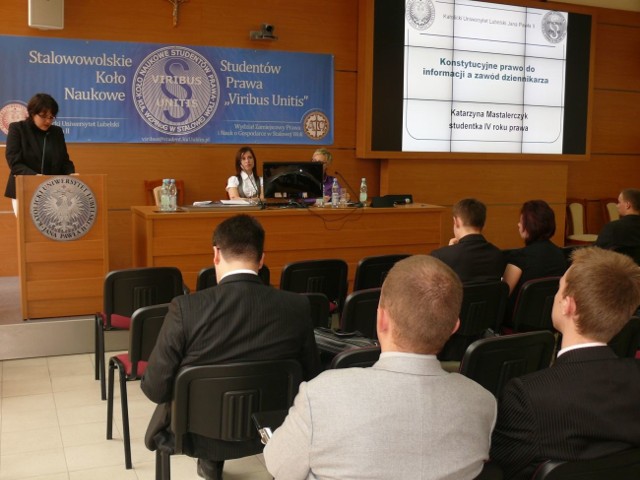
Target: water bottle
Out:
[173,195]
[335,194]
[363,191]
[165,201]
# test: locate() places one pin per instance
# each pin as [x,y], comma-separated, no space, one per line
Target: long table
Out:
[183,239]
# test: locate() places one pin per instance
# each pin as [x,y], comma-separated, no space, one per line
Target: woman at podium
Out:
[35,146]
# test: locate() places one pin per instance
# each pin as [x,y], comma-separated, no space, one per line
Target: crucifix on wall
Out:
[176,5]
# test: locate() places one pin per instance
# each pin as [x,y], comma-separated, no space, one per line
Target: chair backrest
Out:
[356,357]
[576,214]
[533,306]
[328,276]
[360,312]
[319,309]
[609,208]
[483,307]
[127,290]
[371,271]
[217,401]
[632,251]
[493,361]
[617,466]
[207,277]
[146,323]
[154,199]
[627,340]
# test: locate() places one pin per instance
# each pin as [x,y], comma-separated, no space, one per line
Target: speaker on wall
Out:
[46,14]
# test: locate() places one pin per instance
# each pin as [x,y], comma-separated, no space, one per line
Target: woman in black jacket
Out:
[35,146]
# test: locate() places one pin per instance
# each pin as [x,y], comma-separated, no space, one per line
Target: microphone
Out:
[251,179]
[355,194]
[44,146]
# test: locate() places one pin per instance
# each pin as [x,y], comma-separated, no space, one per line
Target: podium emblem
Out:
[63,208]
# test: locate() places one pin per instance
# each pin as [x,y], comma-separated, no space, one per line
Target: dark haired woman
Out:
[540,257]
[245,183]
[35,146]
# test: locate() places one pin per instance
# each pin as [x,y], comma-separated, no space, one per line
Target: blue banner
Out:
[122,92]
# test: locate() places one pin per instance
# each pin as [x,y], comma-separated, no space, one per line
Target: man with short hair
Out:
[405,417]
[623,234]
[469,254]
[240,319]
[586,405]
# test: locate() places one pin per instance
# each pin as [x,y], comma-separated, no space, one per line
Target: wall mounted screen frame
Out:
[499,97]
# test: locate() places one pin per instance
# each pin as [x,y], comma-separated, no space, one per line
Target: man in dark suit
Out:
[469,254]
[586,405]
[240,319]
[623,235]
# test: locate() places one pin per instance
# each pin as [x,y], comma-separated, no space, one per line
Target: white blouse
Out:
[247,185]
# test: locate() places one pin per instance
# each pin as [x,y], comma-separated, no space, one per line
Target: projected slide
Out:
[481,77]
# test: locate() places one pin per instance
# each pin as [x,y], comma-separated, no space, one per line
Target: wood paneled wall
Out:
[331,26]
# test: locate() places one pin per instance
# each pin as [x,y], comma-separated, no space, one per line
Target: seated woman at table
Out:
[540,257]
[245,183]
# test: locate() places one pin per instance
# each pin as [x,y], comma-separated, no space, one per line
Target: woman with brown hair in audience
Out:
[540,257]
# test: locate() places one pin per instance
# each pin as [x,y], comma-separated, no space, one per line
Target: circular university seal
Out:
[554,26]
[176,90]
[420,13]
[315,125]
[12,112]
[63,208]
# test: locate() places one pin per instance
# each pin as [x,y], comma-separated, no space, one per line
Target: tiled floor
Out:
[52,426]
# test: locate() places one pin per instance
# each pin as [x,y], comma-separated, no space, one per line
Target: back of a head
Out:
[632,195]
[606,289]
[471,211]
[539,220]
[240,238]
[422,296]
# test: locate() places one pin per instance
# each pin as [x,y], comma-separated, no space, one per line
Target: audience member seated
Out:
[404,417]
[624,232]
[540,257]
[586,405]
[469,254]
[239,319]
[246,183]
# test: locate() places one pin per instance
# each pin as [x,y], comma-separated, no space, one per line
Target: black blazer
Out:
[584,406]
[624,232]
[474,259]
[240,319]
[24,153]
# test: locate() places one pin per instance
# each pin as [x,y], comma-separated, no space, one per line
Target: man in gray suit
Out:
[240,319]
[403,418]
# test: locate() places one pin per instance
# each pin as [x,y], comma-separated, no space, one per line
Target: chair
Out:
[533,306]
[207,277]
[490,471]
[609,208]
[153,196]
[356,357]
[371,271]
[360,312]
[577,223]
[493,361]
[617,466]
[124,292]
[483,307]
[218,401]
[627,340]
[328,276]
[145,327]
[319,309]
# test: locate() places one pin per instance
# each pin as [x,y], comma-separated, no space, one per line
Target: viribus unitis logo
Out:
[176,90]
[63,208]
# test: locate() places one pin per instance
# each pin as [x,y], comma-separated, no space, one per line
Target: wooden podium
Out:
[63,253]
